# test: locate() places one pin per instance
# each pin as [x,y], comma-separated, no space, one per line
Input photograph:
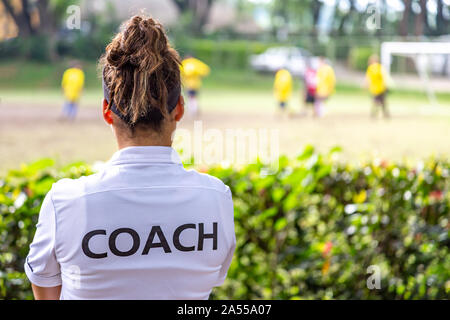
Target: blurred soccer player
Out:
[283,88]
[193,71]
[310,85]
[377,78]
[326,82]
[72,85]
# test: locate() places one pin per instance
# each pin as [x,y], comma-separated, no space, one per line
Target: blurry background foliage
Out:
[309,229]
[225,33]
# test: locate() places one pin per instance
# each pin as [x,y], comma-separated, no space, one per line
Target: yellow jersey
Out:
[376,77]
[283,85]
[192,72]
[326,81]
[72,84]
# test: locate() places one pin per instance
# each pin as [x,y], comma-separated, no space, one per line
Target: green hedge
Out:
[359,57]
[225,53]
[309,229]
[35,48]
[21,194]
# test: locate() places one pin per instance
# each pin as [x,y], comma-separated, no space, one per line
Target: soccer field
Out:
[30,129]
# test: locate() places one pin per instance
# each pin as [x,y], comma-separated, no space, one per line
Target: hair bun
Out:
[144,25]
[130,45]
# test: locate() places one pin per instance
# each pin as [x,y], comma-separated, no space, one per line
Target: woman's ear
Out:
[107,116]
[179,109]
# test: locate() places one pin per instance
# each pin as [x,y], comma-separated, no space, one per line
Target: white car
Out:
[440,64]
[290,58]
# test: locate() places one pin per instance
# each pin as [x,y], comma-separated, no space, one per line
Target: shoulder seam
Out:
[155,187]
[56,222]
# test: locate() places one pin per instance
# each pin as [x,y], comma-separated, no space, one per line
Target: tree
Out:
[346,17]
[404,24]
[296,16]
[49,12]
[47,19]
[182,5]
[199,9]
[38,22]
[22,17]
[315,6]
[441,22]
[421,19]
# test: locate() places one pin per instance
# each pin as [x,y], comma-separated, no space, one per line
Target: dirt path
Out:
[30,133]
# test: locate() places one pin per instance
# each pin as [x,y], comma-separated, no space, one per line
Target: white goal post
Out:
[420,52]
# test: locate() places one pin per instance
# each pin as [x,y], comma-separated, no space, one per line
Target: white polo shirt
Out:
[141,228]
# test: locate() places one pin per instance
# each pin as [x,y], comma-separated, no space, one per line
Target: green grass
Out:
[258,101]
[16,76]
[32,75]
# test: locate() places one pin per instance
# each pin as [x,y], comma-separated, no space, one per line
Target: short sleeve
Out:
[226,264]
[64,79]
[82,78]
[41,265]
[232,245]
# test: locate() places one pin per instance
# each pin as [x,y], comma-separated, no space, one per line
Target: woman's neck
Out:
[146,138]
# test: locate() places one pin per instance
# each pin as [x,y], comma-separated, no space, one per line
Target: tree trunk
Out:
[48,27]
[421,19]
[26,14]
[200,10]
[46,19]
[182,5]
[404,24]
[204,13]
[345,18]
[21,19]
[316,7]
[441,22]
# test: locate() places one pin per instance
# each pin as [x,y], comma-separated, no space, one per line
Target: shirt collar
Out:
[145,154]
